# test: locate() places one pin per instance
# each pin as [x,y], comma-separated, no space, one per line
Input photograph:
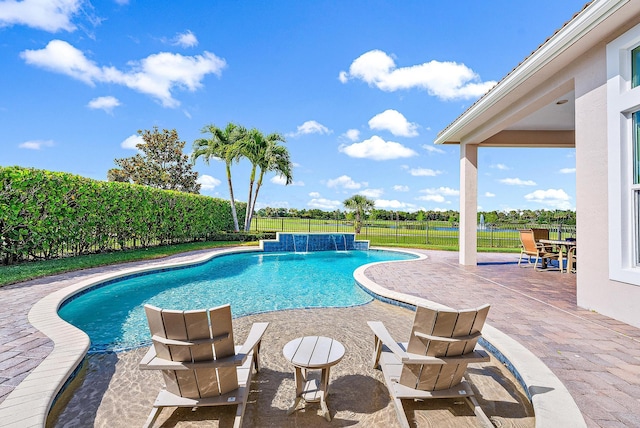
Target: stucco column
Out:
[468,254]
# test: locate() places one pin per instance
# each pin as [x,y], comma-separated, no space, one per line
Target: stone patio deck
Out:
[596,357]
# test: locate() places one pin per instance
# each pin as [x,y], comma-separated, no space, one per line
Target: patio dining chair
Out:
[539,234]
[531,249]
[572,264]
[200,363]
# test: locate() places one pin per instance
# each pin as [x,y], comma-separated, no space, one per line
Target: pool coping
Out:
[28,405]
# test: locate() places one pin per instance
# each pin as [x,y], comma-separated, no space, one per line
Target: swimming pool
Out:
[252,282]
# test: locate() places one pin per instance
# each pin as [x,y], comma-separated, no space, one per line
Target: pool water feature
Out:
[252,282]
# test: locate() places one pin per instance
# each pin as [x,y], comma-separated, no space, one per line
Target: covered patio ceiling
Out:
[550,125]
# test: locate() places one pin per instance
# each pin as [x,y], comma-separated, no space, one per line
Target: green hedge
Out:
[46,214]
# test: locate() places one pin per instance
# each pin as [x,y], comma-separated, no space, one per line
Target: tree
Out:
[360,205]
[265,155]
[225,145]
[161,163]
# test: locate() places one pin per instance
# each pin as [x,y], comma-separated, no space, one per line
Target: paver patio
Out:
[596,357]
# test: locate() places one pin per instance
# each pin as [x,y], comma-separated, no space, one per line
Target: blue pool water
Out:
[113,315]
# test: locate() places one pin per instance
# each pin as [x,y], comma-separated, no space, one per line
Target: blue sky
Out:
[359,88]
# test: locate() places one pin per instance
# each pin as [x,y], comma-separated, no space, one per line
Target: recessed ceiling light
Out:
[560,102]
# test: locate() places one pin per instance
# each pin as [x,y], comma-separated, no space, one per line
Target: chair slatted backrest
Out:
[445,324]
[527,238]
[539,234]
[195,325]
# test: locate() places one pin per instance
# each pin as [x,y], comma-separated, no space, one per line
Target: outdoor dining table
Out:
[563,245]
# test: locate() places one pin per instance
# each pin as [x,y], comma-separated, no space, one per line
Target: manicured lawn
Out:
[30,270]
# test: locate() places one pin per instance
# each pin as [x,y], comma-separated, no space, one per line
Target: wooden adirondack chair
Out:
[199,361]
[432,364]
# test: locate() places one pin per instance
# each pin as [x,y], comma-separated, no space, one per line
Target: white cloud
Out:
[51,16]
[446,191]
[186,39]
[445,80]
[371,193]
[555,198]
[324,204]
[156,75]
[517,182]
[394,122]
[272,204]
[282,180]
[394,204]
[431,198]
[424,172]
[104,103]
[400,188]
[310,127]
[131,142]
[433,149]
[36,144]
[489,195]
[437,194]
[345,182]
[208,182]
[567,171]
[352,135]
[377,149]
[314,194]
[500,166]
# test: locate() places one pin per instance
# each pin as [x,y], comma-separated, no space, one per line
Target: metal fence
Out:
[436,233]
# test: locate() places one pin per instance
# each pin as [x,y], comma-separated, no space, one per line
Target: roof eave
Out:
[585,21]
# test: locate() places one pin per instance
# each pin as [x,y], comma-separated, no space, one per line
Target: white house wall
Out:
[595,290]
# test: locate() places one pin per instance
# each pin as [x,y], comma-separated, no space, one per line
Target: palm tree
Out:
[224,144]
[276,159]
[266,154]
[361,205]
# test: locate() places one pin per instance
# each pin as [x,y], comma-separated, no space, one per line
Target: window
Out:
[635,67]
[635,186]
[636,147]
[623,140]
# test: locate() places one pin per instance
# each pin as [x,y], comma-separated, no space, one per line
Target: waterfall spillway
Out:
[304,247]
[335,241]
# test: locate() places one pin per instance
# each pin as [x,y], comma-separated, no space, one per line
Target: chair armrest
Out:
[448,339]
[254,337]
[544,247]
[380,331]
[152,362]
[175,342]
[477,356]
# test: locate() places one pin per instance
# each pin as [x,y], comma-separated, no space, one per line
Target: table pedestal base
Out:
[311,391]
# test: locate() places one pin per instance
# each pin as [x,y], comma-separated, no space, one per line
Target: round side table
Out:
[313,353]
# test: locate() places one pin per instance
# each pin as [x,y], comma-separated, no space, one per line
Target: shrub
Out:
[46,214]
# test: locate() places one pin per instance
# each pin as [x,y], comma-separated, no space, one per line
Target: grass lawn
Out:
[31,270]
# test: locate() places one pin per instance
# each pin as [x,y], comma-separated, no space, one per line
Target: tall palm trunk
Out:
[255,197]
[247,217]
[236,227]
